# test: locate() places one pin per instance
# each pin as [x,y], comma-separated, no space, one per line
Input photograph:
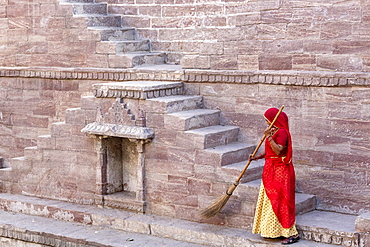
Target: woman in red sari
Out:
[275,212]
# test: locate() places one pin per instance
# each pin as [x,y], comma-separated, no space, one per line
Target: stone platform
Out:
[57,223]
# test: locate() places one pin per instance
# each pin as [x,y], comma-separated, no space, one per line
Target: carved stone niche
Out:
[120,140]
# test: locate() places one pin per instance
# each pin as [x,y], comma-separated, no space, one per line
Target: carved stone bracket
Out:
[135,132]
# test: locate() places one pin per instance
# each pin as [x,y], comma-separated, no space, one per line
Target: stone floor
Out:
[56,223]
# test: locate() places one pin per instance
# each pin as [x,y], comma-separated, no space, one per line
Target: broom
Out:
[214,208]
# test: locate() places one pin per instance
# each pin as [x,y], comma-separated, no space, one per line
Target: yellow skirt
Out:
[265,221]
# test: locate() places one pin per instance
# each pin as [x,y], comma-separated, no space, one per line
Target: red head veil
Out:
[282,123]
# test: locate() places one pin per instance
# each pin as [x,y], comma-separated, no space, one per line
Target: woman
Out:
[275,212]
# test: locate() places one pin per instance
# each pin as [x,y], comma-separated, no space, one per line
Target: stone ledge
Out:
[134,132]
[158,73]
[138,89]
[363,223]
[164,227]
[295,78]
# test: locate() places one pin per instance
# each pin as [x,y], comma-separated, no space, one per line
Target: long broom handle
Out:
[259,145]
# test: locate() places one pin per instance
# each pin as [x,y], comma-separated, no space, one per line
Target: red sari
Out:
[278,176]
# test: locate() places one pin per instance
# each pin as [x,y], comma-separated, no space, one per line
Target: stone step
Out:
[104,20]
[212,136]
[249,191]
[17,163]
[45,142]
[192,119]
[116,33]
[128,46]
[78,1]
[131,60]
[19,229]
[122,47]
[90,8]
[175,103]
[138,89]
[328,227]
[73,116]
[76,220]
[225,154]
[33,153]
[230,173]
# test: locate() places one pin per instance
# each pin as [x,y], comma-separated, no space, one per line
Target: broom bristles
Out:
[214,208]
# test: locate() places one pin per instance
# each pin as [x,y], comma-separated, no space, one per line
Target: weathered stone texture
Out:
[49,35]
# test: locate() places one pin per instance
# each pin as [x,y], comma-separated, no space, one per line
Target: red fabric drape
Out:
[278,175]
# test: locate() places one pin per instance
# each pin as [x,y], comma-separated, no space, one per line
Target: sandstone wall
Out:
[329,115]
[29,106]
[253,35]
[45,33]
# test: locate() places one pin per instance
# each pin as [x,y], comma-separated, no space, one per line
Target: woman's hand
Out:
[257,157]
[268,132]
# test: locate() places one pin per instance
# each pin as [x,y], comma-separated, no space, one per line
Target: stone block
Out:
[154,120]
[272,31]
[283,46]
[74,143]
[136,21]
[33,153]
[364,240]
[309,30]
[161,209]
[199,187]
[362,223]
[275,62]
[192,119]
[335,30]
[196,61]
[60,156]
[19,164]
[248,62]
[46,142]
[303,62]
[172,104]
[224,62]
[106,47]
[224,155]
[180,10]
[75,116]
[204,172]
[120,61]
[244,19]
[213,136]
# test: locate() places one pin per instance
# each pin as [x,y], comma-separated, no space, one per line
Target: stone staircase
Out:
[217,147]
[122,44]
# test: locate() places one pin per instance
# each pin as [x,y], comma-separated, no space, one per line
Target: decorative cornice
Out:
[102,74]
[138,89]
[118,121]
[114,130]
[297,78]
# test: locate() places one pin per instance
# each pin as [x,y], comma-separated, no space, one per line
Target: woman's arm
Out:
[258,156]
[277,148]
